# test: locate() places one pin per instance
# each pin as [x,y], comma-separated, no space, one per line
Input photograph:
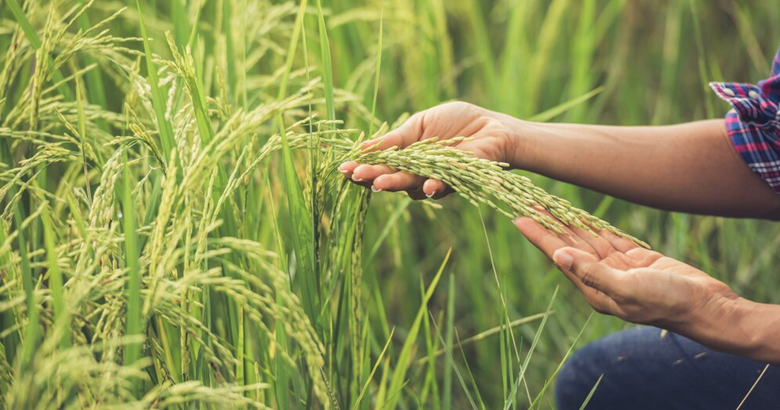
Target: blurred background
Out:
[614,62]
[650,62]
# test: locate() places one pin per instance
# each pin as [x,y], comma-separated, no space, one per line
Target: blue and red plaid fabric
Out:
[753,124]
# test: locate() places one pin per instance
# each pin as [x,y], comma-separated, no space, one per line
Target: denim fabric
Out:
[646,369]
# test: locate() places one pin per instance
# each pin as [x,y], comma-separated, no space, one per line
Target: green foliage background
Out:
[364,268]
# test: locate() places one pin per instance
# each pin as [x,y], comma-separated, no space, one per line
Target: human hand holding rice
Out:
[467,149]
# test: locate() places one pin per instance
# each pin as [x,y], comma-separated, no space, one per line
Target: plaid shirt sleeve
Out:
[753,123]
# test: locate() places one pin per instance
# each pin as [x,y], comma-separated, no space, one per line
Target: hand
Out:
[493,135]
[638,285]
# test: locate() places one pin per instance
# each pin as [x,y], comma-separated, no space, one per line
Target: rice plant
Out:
[174,233]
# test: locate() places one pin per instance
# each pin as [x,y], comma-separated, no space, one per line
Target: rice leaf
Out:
[590,394]
[376,77]
[405,357]
[61,315]
[158,99]
[82,128]
[373,371]
[549,382]
[302,231]
[327,65]
[134,303]
[96,89]
[521,375]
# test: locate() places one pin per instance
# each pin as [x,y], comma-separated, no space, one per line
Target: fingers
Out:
[433,188]
[401,137]
[588,269]
[399,181]
[595,280]
[600,301]
[348,168]
[599,244]
[392,180]
[620,243]
[369,173]
[385,178]
[548,242]
[644,257]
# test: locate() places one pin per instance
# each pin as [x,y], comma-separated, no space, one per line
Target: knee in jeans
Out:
[576,380]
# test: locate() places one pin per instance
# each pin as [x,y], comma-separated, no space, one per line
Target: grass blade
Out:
[327,65]
[134,303]
[302,233]
[82,128]
[61,316]
[590,395]
[376,78]
[447,345]
[559,109]
[373,371]
[560,366]
[404,358]
[158,98]
[451,361]
[524,367]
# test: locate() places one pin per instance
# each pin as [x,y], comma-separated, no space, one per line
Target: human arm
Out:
[641,286]
[687,167]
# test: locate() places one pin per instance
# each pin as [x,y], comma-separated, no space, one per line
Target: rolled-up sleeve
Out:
[753,123]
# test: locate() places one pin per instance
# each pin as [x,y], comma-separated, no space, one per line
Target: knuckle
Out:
[456,104]
[588,276]
[416,118]
[600,309]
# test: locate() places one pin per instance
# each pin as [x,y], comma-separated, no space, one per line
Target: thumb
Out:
[408,133]
[588,269]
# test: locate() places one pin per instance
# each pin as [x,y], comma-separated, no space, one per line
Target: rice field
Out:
[175,233]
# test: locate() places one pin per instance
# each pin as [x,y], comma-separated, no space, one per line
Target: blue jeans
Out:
[643,370]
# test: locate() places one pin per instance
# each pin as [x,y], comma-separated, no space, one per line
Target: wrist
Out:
[735,325]
[522,144]
[706,322]
[757,328]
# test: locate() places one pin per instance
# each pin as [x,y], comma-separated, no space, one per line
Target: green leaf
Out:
[61,316]
[134,303]
[158,98]
[405,357]
[300,220]
[327,65]
[376,78]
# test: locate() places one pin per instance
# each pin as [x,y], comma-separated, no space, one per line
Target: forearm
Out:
[688,167]
[737,326]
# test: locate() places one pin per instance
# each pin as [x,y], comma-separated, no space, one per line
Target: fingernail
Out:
[563,259]
[356,179]
[375,189]
[344,171]
[431,194]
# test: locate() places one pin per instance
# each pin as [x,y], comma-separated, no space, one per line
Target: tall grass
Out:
[174,232]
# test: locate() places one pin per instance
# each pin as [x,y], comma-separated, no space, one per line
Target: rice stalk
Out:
[486,182]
